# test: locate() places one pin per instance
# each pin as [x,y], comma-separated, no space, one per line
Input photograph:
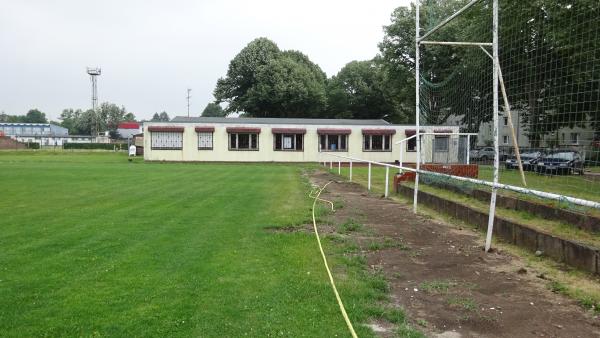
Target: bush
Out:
[103,146]
[32,145]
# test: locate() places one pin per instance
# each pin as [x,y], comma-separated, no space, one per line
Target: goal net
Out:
[549,70]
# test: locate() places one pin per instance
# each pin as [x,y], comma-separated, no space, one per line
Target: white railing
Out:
[542,194]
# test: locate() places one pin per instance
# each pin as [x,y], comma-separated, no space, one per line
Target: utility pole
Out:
[188,100]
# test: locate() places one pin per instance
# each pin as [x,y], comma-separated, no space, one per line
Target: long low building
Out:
[213,139]
[45,134]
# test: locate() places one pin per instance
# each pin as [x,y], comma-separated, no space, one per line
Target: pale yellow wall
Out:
[221,152]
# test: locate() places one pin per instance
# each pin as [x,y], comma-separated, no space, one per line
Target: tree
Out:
[32,116]
[85,124]
[397,57]
[69,119]
[241,74]
[213,110]
[164,117]
[130,117]
[155,117]
[357,91]
[263,81]
[35,116]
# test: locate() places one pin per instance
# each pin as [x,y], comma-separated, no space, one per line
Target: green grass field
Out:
[93,245]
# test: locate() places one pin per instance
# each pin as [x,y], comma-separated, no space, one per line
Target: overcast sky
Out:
[150,52]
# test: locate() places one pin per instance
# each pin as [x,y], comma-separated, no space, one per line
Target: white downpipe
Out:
[387,181]
[401,158]
[542,194]
[490,228]
[369,179]
[417,110]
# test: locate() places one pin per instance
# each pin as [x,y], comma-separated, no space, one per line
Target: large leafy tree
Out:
[357,91]
[241,74]
[397,58]
[213,110]
[263,81]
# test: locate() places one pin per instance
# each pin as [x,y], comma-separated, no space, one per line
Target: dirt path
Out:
[440,275]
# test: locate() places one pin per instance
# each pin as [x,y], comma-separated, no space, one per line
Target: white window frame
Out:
[339,142]
[505,139]
[237,142]
[368,143]
[435,144]
[166,140]
[293,136]
[208,138]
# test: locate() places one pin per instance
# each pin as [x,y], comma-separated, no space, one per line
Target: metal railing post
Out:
[369,179]
[387,180]
[468,149]
[339,167]
[330,164]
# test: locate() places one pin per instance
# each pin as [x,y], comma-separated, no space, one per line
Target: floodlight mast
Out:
[94,73]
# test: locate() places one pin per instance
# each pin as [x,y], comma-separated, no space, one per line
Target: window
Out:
[376,143]
[506,121]
[166,140]
[333,142]
[574,138]
[505,139]
[205,141]
[441,143]
[291,142]
[411,144]
[243,141]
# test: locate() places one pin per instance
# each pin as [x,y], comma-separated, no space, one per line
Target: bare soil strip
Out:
[445,282]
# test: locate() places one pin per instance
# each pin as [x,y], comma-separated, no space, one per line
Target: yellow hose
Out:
[337,295]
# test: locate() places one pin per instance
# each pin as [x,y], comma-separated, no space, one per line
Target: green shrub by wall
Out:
[104,146]
[32,145]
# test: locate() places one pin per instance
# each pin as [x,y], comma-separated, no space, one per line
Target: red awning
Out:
[165,128]
[323,131]
[379,131]
[443,131]
[288,131]
[243,130]
[205,129]
[411,132]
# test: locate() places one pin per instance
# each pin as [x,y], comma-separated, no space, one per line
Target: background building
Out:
[45,134]
[215,139]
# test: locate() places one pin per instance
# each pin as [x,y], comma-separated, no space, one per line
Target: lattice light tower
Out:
[94,73]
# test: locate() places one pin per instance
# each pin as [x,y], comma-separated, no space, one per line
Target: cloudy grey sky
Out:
[151,51]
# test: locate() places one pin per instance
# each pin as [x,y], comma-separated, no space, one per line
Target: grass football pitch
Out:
[94,245]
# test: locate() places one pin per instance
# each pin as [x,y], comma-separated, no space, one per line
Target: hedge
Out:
[32,145]
[104,146]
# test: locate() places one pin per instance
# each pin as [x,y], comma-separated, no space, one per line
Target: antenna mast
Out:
[94,73]
[188,100]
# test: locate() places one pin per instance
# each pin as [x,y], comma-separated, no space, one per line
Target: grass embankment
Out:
[581,286]
[562,229]
[94,245]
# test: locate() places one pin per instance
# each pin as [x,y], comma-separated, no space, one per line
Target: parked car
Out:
[486,153]
[529,160]
[561,162]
